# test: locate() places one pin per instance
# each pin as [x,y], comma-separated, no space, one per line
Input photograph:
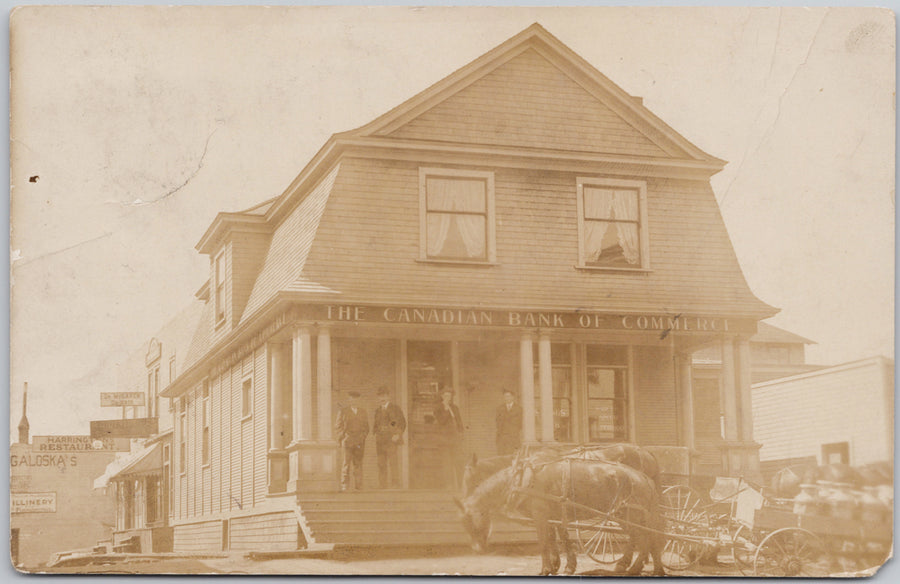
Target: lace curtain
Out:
[448,196]
[601,205]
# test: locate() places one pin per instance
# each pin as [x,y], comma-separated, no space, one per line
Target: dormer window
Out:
[612,224]
[219,286]
[456,215]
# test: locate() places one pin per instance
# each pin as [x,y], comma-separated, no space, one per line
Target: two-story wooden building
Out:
[522,224]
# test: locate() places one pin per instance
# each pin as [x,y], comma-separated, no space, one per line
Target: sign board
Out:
[80,444]
[121,398]
[129,428]
[577,319]
[32,502]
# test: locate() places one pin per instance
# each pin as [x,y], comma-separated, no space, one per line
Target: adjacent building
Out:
[522,224]
[53,505]
[843,413]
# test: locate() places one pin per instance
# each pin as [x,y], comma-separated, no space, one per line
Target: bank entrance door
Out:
[429,367]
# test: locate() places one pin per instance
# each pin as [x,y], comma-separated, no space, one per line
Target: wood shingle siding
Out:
[693,266]
[529,102]
[247,253]
[289,246]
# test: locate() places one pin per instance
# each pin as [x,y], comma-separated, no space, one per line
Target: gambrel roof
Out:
[347,226]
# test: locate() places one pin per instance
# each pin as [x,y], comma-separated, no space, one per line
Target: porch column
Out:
[729,392]
[687,399]
[545,376]
[323,383]
[742,347]
[526,388]
[302,385]
[277,385]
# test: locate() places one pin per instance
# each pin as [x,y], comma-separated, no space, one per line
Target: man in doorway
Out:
[388,427]
[450,435]
[509,424]
[352,429]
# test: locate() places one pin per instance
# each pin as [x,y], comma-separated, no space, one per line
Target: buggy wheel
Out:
[791,552]
[603,540]
[680,554]
[742,550]
[687,523]
[679,499]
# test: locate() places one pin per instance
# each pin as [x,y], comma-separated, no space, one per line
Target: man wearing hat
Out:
[388,428]
[509,424]
[450,435]
[352,428]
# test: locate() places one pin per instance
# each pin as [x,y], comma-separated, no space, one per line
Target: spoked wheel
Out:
[743,550]
[679,499]
[685,522]
[791,552]
[603,540]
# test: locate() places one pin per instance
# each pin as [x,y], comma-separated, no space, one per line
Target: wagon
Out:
[761,535]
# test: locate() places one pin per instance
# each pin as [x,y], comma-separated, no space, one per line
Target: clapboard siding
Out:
[247,253]
[272,532]
[198,537]
[529,102]
[260,425]
[852,404]
[216,458]
[368,240]
[654,397]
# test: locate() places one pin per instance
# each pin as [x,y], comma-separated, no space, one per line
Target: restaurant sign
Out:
[527,319]
[32,502]
[121,398]
[128,428]
[80,444]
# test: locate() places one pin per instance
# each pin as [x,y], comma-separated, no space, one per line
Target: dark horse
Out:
[630,455]
[626,494]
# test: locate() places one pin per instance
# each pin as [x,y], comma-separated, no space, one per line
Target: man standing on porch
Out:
[509,424]
[352,429]
[450,436]
[388,428]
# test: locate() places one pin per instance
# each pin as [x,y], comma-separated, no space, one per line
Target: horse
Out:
[636,457]
[624,493]
[563,490]
[477,471]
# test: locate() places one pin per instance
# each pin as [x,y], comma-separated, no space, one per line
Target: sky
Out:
[131,128]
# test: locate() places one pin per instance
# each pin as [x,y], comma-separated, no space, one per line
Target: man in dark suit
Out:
[352,428]
[450,436]
[388,428]
[509,424]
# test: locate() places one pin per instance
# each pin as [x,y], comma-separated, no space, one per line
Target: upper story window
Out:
[456,211]
[219,286]
[612,224]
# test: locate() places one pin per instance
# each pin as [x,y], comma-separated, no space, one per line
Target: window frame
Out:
[490,235]
[219,287]
[643,235]
[246,404]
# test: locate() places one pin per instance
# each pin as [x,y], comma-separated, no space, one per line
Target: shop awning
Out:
[144,461]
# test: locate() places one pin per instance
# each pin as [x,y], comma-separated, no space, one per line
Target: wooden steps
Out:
[378,518]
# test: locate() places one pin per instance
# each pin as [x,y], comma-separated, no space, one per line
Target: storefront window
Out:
[606,394]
